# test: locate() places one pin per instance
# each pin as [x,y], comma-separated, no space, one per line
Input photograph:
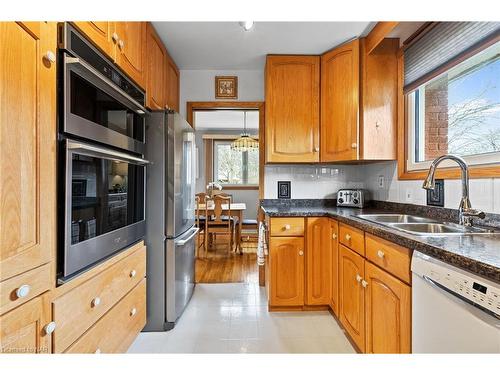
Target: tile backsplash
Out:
[320,181]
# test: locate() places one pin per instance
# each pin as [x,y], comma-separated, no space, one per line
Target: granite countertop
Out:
[479,253]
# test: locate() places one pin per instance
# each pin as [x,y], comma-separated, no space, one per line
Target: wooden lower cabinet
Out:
[352,295]
[116,330]
[318,260]
[286,258]
[334,246]
[23,330]
[388,312]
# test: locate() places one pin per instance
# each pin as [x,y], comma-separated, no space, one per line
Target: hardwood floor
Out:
[217,266]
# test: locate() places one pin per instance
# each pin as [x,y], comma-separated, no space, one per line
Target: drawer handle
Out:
[358,278]
[301,252]
[96,302]
[364,283]
[97,351]
[50,328]
[287,227]
[114,37]
[348,237]
[380,254]
[334,236]
[133,273]
[23,291]
[121,44]
[133,311]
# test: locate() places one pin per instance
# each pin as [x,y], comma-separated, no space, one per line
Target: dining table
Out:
[236,210]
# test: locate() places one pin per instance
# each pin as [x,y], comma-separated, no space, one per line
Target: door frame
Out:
[194,106]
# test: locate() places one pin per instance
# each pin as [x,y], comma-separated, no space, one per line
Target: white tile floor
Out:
[233,318]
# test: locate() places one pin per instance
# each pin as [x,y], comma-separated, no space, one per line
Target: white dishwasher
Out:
[453,311]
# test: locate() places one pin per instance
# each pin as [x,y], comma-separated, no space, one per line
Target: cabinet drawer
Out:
[33,283]
[393,258]
[116,330]
[80,308]
[353,238]
[287,226]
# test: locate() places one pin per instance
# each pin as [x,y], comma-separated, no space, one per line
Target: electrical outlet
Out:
[409,195]
[380,182]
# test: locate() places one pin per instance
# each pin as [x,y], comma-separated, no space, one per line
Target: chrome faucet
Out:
[465,211]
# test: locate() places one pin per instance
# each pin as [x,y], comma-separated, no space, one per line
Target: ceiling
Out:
[226,46]
[225,120]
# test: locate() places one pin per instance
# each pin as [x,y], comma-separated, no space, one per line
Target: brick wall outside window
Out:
[436,118]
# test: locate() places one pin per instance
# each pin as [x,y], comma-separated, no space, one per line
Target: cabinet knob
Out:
[377,124]
[358,278]
[114,37]
[23,291]
[96,302]
[316,149]
[133,311]
[354,145]
[287,227]
[364,283]
[334,236]
[348,237]
[50,328]
[121,44]
[50,56]
[380,254]
[301,252]
[98,351]
[133,273]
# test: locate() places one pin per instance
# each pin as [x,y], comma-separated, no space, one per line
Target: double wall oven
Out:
[102,171]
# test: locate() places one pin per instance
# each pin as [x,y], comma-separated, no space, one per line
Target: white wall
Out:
[199,85]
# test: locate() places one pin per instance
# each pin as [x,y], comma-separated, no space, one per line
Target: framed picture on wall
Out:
[226,87]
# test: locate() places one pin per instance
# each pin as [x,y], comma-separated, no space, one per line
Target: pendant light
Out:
[245,142]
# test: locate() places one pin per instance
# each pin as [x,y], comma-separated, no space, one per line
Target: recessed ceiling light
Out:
[247,25]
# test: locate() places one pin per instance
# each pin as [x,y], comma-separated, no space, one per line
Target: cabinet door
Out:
[292,109]
[23,330]
[319,261]
[334,241]
[340,103]
[388,307]
[27,146]
[100,33]
[287,271]
[173,79]
[352,295]
[156,70]
[131,41]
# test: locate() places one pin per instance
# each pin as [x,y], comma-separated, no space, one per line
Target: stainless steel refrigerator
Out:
[170,206]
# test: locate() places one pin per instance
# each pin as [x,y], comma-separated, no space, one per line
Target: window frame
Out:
[481,166]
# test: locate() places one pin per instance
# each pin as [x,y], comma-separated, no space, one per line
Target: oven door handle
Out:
[105,152]
[185,240]
[86,68]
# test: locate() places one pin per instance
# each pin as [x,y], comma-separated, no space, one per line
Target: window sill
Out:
[477,171]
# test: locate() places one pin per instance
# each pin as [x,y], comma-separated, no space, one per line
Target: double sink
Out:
[422,226]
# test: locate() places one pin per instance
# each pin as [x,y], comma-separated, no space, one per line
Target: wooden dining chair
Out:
[220,222]
[201,222]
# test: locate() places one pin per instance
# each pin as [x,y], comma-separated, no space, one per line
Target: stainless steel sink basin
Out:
[396,218]
[422,226]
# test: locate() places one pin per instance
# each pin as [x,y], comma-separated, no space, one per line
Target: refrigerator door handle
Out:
[188,238]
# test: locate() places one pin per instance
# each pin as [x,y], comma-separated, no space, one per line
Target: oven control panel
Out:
[481,292]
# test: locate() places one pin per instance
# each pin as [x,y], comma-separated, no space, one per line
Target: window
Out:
[457,112]
[235,167]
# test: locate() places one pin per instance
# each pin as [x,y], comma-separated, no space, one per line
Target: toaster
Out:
[352,198]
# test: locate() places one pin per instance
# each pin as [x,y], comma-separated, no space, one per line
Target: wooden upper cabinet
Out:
[23,329]
[378,101]
[292,109]
[156,58]
[319,261]
[286,260]
[100,32]
[334,245]
[172,84]
[27,146]
[131,40]
[340,103]
[388,312]
[352,295]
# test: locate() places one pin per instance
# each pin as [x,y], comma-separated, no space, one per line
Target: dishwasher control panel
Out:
[474,288]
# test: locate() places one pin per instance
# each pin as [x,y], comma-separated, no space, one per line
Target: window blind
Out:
[441,44]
